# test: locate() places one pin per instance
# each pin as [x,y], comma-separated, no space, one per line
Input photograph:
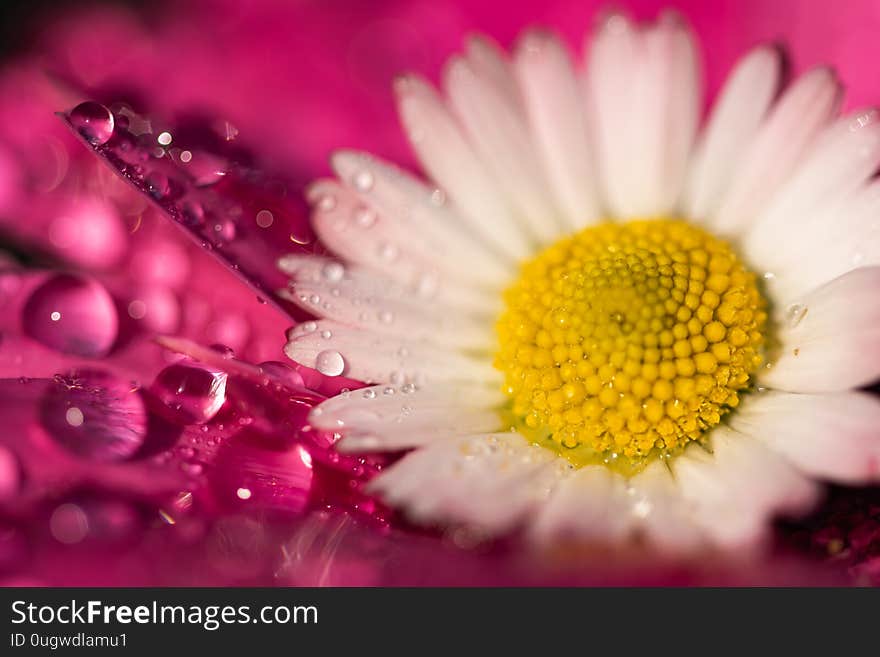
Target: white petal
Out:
[843,158]
[451,162]
[612,65]
[489,62]
[590,505]
[830,338]
[736,116]
[490,481]
[357,234]
[663,516]
[333,349]
[645,92]
[384,418]
[502,139]
[332,293]
[835,240]
[374,288]
[421,213]
[780,144]
[737,490]
[552,97]
[832,436]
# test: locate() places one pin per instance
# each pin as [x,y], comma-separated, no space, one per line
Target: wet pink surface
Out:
[126,462]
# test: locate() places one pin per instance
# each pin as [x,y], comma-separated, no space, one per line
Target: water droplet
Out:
[93,121]
[72,315]
[363,180]
[190,393]
[364,217]
[388,252]
[333,271]
[326,334]
[794,314]
[309,327]
[386,316]
[330,363]
[315,299]
[326,202]
[388,390]
[438,198]
[157,184]
[95,415]
[369,394]
[408,388]
[164,138]
[193,213]
[427,285]
[285,373]
[224,350]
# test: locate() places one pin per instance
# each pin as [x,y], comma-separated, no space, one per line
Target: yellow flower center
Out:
[626,341]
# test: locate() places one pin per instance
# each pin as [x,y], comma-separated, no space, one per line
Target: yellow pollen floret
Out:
[627,341]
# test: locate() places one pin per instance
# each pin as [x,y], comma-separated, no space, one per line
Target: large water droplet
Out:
[330,363]
[93,121]
[95,415]
[190,393]
[73,315]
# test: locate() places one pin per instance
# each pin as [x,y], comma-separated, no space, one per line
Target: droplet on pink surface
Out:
[93,121]
[157,184]
[190,393]
[283,373]
[95,415]
[73,315]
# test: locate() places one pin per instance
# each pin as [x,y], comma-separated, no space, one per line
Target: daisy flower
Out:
[601,318]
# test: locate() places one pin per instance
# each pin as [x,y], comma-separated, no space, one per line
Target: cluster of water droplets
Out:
[203,181]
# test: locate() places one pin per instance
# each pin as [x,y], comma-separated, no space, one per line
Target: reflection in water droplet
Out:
[93,121]
[190,393]
[94,415]
[73,315]
[330,363]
